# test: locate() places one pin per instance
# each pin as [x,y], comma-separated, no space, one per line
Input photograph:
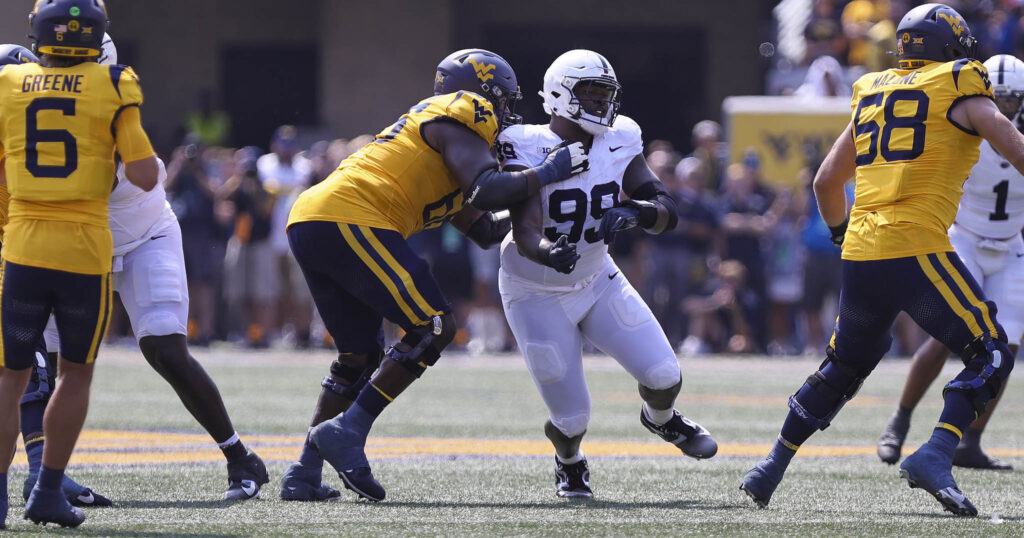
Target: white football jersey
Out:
[573,207]
[137,215]
[993,201]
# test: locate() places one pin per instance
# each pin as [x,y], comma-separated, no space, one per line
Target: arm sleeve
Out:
[131,139]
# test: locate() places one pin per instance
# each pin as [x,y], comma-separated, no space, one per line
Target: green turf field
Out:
[462,453]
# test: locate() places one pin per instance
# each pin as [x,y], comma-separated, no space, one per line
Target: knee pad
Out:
[350,373]
[987,364]
[574,426]
[422,345]
[41,384]
[661,398]
[826,391]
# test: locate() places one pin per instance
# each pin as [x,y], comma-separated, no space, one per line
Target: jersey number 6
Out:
[34,135]
[891,121]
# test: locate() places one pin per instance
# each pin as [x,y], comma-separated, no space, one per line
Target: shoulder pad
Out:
[626,132]
[473,111]
[126,84]
[971,78]
[525,144]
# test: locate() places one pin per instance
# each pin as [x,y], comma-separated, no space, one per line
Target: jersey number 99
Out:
[871,128]
[34,135]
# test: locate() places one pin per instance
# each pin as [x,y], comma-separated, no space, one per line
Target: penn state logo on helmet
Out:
[1007,75]
[483,72]
[108,52]
[933,33]
[16,54]
[72,28]
[580,85]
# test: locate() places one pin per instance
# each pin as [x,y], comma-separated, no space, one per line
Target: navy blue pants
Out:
[28,295]
[360,275]
[936,290]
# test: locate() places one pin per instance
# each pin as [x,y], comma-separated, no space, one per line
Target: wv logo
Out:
[955,22]
[483,70]
[480,112]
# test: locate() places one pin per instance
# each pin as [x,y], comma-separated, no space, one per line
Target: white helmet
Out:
[1007,75]
[578,71]
[108,52]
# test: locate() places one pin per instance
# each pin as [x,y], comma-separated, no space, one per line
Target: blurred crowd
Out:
[749,269]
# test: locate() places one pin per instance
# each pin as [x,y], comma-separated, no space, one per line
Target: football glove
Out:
[561,255]
[838,232]
[623,217]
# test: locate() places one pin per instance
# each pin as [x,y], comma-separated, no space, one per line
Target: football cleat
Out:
[890,444]
[972,457]
[245,476]
[89,498]
[573,479]
[344,450]
[930,471]
[75,493]
[50,506]
[760,482]
[301,483]
[686,434]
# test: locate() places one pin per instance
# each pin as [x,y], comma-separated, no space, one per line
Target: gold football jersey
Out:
[59,130]
[912,159]
[398,182]
[5,198]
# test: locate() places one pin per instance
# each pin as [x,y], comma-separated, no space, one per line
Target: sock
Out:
[310,457]
[3,484]
[903,413]
[944,440]
[32,418]
[957,412]
[372,400]
[972,438]
[795,429]
[783,451]
[50,478]
[569,461]
[233,448]
[658,416]
[34,452]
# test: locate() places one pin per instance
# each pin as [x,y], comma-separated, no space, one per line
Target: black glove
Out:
[561,256]
[839,232]
[564,161]
[616,219]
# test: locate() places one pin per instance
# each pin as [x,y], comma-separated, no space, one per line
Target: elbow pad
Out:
[494,190]
[659,214]
[490,229]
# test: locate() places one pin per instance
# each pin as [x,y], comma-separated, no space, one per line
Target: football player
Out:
[42,381]
[987,236]
[349,233]
[60,123]
[558,283]
[913,137]
[149,277]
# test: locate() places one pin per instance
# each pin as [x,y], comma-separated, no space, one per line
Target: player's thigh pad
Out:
[153,286]
[1006,288]
[377,266]
[622,325]
[25,305]
[552,347]
[82,311]
[868,305]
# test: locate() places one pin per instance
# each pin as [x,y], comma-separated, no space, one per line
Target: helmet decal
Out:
[483,70]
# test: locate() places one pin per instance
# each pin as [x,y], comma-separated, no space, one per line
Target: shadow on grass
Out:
[566,504]
[175,504]
[115,531]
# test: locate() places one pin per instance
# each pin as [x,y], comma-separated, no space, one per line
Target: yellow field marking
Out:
[112,447]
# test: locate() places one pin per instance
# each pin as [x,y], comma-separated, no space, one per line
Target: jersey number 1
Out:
[1002,190]
[34,135]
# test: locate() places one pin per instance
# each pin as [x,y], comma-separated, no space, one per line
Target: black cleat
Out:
[245,476]
[301,483]
[972,457]
[760,482]
[573,479]
[890,444]
[686,434]
[89,499]
[361,481]
[50,506]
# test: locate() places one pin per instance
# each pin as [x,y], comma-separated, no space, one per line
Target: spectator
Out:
[209,125]
[249,261]
[193,195]
[858,17]
[708,147]
[824,79]
[824,33]
[320,161]
[784,268]
[720,314]
[285,174]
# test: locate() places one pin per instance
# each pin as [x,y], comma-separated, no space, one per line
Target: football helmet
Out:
[16,54]
[1007,75]
[483,72]
[933,32]
[108,52]
[72,28]
[581,87]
